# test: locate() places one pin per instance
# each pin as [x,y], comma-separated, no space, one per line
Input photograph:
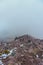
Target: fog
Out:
[19,17]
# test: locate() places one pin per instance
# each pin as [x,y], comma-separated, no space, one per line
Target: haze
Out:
[19,17]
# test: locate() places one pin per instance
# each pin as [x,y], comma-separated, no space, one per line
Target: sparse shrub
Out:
[6,51]
[0,54]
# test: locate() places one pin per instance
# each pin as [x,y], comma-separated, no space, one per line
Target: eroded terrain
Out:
[23,50]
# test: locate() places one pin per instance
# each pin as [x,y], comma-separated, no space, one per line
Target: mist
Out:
[19,17]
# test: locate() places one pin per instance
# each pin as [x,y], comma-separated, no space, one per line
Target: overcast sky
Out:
[18,17]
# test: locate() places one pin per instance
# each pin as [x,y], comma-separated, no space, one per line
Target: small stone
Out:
[16,63]
[22,55]
[21,45]
[37,56]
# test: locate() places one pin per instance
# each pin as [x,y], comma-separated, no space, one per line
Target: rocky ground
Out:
[26,51]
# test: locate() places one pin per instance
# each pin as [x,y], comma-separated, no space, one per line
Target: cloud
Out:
[21,16]
[20,4]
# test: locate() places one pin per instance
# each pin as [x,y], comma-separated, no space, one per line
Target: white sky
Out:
[19,17]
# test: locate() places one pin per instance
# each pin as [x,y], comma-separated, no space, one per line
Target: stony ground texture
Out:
[26,51]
